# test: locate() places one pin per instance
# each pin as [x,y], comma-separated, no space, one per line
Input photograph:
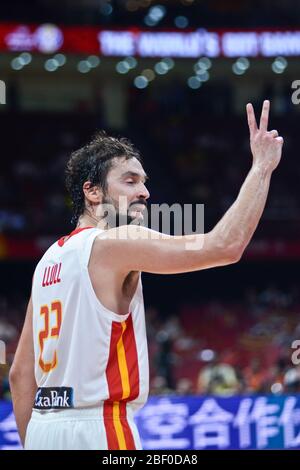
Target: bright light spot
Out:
[203,75]
[204,62]
[122,67]
[169,62]
[93,61]
[161,68]
[131,61]
[26,58]
[149,74]
[281,61]
[141,82]
[277,69]
[279,65]
[200,71]
[276,388]
[157,12]
[206,354]
[243,63]
[83,66]
[60,59]
[181,21]
[237,70]
[16,64]
[51,65]
[194,82]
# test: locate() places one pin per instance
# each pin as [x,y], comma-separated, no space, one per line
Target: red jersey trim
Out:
[62,240]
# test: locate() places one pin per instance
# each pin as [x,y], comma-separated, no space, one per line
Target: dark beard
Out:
[125,219]
[115,219]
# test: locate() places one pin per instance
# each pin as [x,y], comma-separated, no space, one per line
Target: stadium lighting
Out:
[122,67]
[51,65]
[19,62]
[243,63]
[169,62]
[181,22]
[141,82]
[93,61]
[155,15]
[161,68]
[149,74]
[203,75]
[25,58]
[203,63]
[237,70]
[60,59]
[16,64]
[279,65]
[194,82]
[240,65]
[131,61]
[207,355]
[83,66]
[277,388]
[157,12]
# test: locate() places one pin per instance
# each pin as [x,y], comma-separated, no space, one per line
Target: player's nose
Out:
[143,192]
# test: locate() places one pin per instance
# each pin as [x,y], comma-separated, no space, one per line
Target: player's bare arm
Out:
[133,248]
[21,378]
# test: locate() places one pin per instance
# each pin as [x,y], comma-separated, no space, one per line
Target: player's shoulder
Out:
[123,233]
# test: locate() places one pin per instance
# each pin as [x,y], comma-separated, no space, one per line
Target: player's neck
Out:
[87,220]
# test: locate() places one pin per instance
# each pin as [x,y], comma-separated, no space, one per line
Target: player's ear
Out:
[92,193]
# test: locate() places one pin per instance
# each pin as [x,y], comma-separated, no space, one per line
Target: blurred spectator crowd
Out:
[198,13]
[226,348]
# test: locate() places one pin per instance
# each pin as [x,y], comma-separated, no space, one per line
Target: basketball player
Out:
[82,362]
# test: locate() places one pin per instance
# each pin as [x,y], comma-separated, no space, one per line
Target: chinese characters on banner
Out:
[188,423]
[256,422]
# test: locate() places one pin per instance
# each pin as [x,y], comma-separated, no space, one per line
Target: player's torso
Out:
[85,354]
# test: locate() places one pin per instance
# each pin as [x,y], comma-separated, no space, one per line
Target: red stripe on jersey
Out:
[131,359]
[62,240]
[111,435]
[130,444]
[112,369]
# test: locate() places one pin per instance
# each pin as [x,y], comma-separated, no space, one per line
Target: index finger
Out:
[251,119]
[264,118]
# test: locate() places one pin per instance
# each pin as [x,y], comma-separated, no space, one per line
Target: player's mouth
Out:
[138,207]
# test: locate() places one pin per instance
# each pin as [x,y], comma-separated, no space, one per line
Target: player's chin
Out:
[136,215]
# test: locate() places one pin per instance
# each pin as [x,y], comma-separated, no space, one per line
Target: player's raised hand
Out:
[266,146]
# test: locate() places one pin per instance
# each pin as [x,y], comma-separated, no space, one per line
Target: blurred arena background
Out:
[174,76]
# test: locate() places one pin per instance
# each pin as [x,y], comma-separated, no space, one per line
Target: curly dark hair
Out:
[92,163]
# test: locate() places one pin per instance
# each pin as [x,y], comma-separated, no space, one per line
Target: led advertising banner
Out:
[189,423]
[250,422]
[50,38]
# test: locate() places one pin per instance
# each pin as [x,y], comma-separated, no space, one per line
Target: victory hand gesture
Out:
[266,146]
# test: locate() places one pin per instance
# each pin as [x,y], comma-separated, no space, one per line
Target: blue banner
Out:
[248,422]
[9,437]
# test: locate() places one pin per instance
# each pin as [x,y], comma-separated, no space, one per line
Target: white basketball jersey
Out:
[85,354]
